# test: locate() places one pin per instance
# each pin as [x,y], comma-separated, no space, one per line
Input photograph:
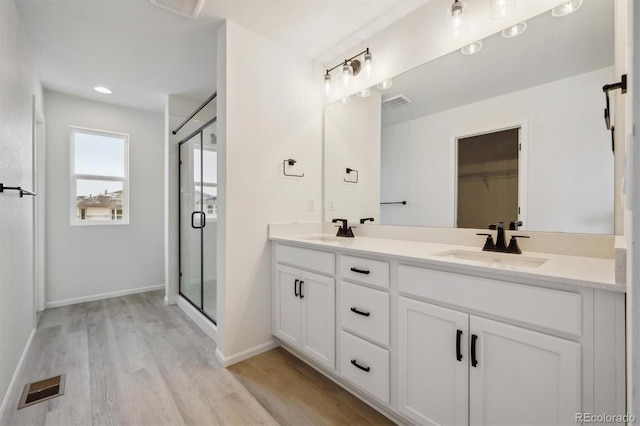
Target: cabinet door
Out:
[522,377]
[287,309]
[318,317]
[433,378]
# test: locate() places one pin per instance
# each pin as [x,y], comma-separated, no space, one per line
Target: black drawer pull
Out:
[458,351]
[360,271]
[295,287]
[354,362]
[474,361]
[356,311]
[301,288]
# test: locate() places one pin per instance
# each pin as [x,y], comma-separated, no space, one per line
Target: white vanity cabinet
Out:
[364,325]
[447,344]
[304,302]
[458,369]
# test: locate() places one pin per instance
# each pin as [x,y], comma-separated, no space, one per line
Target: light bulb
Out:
[458,24]
[327,83]
[566,8]
[502,8]
[346,100]
[347,74]
[472,48]
[385,84]
[364,93]
[368,66]
[514,30]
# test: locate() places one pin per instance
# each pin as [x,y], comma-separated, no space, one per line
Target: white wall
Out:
[352,139]
[86,262]
[17,87]
[423,35]
[269,110]
[418,159]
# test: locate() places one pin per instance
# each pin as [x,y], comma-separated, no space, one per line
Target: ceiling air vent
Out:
[397,101]
[188,8]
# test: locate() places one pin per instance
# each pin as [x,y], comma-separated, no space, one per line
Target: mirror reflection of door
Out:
[487,180]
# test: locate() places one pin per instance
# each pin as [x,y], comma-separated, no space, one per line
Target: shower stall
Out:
[197,206]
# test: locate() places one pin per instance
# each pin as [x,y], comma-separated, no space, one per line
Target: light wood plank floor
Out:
[135,361]
[296,394]
[130,361]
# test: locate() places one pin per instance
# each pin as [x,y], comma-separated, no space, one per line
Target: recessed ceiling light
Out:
[514,30]
[102,90]
[566,8]
[472,48]
[385,84]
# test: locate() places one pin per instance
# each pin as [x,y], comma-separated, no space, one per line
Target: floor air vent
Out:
[42,391]
[397,101]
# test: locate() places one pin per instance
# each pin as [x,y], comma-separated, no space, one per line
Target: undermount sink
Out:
[493,259]
[327,239]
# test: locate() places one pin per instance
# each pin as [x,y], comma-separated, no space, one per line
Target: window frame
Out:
[73,219]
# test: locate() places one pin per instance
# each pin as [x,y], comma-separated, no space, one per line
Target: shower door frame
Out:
[198,131]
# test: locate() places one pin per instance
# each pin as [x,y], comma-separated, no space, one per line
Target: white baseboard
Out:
[227,361]
[14,379]
[205,324]
[171,299]
[101,296]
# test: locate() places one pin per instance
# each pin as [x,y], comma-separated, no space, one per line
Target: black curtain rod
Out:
[204,104]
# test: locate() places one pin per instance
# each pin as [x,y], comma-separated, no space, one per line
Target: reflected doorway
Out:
[488,173]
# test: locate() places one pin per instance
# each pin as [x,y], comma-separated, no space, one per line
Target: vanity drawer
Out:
[365,311]
[368,271]
[543,307]
[365,365]
[313,260]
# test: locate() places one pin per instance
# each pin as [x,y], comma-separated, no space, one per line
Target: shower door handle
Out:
[203,220]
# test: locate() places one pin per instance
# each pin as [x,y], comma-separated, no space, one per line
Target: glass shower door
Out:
[198,219]
[192,220]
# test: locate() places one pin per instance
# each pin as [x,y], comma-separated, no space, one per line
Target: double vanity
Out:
[433,333]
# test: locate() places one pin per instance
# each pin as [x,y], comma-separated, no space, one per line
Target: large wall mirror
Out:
[512,132]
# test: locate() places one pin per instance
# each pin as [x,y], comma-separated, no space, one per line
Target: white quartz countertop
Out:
[559,269]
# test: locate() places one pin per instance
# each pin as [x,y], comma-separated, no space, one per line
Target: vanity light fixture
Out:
[502,8]
[103,90]
[350,68]
[566,8]
[458,18]
[472,48]
[385,84]
[514,30]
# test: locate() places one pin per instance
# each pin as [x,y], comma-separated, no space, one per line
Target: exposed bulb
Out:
[327,84]
[458,24]
[346,100]
[566,8]
[385,84]
[368,66]
[502,8]
[347,75]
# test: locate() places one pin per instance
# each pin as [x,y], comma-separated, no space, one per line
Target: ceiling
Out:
[143,52]
[550,49]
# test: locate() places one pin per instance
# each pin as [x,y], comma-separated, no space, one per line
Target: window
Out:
[99,177]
